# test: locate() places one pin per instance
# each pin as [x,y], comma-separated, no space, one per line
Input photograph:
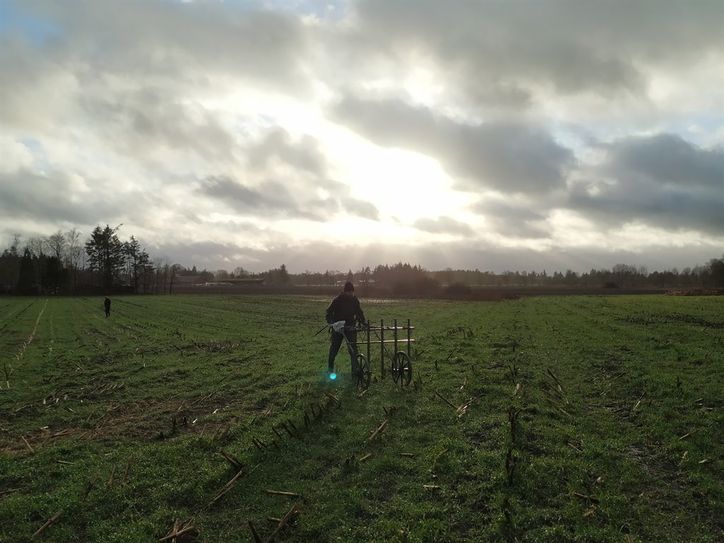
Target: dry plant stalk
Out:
[52,520]
[231,459]
[228,486]
[179,529]
[379,429]
[586,497]
[32,451]
[293,512]
[444,399]
[283,493]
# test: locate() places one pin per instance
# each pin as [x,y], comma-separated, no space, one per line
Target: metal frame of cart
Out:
[400,360]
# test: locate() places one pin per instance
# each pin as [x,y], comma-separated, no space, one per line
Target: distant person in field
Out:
[345,308]
[107,306]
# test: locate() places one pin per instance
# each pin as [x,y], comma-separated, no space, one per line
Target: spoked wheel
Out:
[401,369]
[364,374]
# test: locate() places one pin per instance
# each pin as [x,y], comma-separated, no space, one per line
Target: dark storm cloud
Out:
[515,219]
[145,120]
[568,46]
[668,159]
[294,201]
[303,154]
[444,225]
[55,198]
[660,180]
[511,157]
[269,197]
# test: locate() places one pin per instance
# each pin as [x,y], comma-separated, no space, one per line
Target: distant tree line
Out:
[103,263]
[62,263]
[406,279]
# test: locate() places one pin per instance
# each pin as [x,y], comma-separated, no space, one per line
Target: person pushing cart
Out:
[341,315]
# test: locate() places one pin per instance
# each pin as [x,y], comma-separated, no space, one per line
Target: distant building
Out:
[189,280]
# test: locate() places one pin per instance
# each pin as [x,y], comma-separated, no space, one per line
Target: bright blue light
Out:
[332,376]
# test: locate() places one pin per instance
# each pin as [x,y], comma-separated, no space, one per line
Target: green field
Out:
[583,419]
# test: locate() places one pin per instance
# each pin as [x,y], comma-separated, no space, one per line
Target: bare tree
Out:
[73,248]
[73,254]
[56,244]
[36,245]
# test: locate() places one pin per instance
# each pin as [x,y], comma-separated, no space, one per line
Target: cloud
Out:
[515,219]
[512,157]
[360,208]
[144,121]
[668,159]
[269,197]
[302,155]
[288,177]
[180,41]
[558,45]
[14,155]
[59,198]
[444,225]
[36,89]
[204,254]
[186,120]
[659,180]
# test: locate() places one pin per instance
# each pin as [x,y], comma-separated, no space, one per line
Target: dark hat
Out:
[348,286]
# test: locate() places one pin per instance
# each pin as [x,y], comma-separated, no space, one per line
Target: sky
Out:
[528,134]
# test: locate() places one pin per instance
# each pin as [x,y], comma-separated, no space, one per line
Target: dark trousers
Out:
[336,342]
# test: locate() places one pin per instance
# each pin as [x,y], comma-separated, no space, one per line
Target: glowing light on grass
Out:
[332,376]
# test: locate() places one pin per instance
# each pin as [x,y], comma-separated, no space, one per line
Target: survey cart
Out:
[394,344]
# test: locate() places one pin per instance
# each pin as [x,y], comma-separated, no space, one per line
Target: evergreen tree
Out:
[105,254]
[136,260]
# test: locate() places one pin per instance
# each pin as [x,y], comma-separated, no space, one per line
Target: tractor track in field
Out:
[12,316]
[21,352]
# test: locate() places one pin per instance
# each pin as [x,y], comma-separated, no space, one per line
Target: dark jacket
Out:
[345,308]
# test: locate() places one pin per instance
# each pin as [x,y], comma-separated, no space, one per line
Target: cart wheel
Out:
[364,375]
[401,368]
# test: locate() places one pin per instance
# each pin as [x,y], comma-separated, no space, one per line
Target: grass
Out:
[588,419]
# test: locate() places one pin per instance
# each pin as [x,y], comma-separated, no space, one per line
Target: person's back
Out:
[345,307]
[107,306]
